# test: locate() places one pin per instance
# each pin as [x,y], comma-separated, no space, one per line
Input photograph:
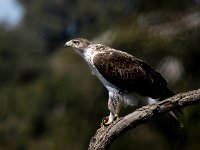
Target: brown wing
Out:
[130,74]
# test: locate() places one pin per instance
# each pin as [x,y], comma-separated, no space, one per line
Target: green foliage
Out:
[168,5]
[21,52]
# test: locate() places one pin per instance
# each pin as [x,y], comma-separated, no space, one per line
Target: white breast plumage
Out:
[89,55]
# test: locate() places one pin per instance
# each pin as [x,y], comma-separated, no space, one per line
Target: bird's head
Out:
[78,44]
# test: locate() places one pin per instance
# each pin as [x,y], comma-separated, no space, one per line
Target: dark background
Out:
[48,97]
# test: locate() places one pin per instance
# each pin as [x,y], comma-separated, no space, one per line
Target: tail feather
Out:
[168,93]
[175,119]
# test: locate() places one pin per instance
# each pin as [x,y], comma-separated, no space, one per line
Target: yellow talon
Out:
[116,117]
[109,119]
[106,121]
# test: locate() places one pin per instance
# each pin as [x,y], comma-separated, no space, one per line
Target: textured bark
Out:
[106,135]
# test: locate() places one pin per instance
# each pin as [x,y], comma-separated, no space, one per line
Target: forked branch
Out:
[106,135]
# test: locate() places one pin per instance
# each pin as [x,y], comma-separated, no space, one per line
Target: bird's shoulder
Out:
[107,56]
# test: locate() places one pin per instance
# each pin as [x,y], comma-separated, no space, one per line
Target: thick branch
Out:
[106,135]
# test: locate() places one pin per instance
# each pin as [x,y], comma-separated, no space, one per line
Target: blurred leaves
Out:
[20,55]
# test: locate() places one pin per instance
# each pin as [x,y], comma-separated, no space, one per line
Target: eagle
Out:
[127,78]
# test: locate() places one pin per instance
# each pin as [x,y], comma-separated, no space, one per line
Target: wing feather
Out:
[129,73]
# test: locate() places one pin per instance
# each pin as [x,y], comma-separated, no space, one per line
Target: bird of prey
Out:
[127,78]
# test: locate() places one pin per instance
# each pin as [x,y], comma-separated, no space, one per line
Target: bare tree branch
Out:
[106,135]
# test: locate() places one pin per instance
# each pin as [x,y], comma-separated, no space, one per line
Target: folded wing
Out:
[131,74]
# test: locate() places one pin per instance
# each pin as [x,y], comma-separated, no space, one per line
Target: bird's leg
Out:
[114,105]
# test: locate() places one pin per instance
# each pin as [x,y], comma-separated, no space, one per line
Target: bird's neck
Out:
[89,54]
[78,51]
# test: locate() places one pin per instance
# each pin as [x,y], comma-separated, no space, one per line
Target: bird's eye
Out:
[76,42]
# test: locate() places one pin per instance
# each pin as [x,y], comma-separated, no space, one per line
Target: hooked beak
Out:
[67,44]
